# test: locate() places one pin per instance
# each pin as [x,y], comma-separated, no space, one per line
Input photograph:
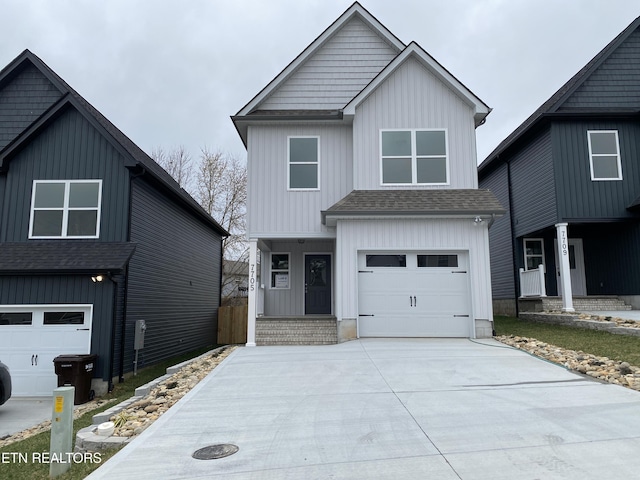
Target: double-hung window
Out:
[65,209]
[304,157]
[416,157]
[533,253]
[280,270]
[604,155]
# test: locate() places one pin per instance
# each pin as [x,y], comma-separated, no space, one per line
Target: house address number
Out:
[252,277]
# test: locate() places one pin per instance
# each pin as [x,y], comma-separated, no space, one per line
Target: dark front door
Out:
[317,284]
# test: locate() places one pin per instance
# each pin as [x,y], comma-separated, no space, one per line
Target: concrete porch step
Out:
[296,331]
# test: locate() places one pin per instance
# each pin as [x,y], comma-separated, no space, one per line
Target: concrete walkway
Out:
[391,408]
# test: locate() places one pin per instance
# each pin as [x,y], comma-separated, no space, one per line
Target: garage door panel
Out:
[29,350]
[415,300]
[414,326]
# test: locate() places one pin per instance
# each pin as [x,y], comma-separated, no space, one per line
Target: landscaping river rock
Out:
[142,413]
[601,368]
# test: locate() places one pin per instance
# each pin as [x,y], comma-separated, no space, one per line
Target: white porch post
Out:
[565,272]
[253,293]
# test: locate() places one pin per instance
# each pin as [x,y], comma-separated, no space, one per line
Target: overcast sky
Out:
[172,72]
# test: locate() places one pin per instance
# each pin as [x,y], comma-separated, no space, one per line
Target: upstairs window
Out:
[417,157]
[65,209]
[303,163]
[604,155]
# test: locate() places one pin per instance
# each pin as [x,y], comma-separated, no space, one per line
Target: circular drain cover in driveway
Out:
[215,451]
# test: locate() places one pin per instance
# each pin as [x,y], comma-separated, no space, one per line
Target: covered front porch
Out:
[291,292]
[579,267]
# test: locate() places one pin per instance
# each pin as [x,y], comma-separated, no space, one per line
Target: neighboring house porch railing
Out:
[532,282]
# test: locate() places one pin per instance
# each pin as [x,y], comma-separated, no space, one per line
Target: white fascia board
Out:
[414,50]
[355,10]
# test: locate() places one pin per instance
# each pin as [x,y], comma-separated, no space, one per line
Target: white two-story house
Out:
[363,199]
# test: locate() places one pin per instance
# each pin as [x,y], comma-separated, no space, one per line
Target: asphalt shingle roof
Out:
[417,202]
[64,257]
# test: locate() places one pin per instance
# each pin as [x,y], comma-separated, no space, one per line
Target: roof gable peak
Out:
[414,50]
[356,10]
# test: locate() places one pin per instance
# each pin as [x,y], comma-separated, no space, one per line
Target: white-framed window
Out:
[604,155]
[303,169]
[418,157]
[533,253]
[65,209]
[280,271]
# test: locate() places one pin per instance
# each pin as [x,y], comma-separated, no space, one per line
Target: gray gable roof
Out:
[64,257]
[562,103]
[384,203]
[72,99]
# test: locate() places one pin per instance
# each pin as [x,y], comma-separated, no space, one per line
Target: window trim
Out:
[617,155]
[524,252]
[271,271]
[414,156]
[289,163]
[65,208]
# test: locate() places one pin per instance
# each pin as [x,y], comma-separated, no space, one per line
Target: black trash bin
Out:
[76,370]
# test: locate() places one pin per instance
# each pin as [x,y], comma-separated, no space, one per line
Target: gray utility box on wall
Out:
[138,338]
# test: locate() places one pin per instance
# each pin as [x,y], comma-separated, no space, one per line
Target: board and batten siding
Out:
[579,197]
[174,277]
[413,98]
[533,189]
[23,100]
[500,244]
[336,73]
[411,235]
[67,289]
[614,84]
[289,301]
[68,149]
[272,209]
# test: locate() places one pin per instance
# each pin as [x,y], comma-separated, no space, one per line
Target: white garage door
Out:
[32,336]
[409,294]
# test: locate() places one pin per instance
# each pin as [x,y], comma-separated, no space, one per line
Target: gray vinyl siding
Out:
[578,196]
[533,186]
[70,148]
[22,101]
[336,73]
[67,289]
[290,301]
[500,244]
[174,277]
[272,209]
[412,97]
[614,84]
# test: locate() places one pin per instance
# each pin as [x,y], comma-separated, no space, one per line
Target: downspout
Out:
[114,317]
[513,236]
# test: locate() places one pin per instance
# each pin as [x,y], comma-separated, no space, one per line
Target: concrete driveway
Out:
[20,413]
[392,408]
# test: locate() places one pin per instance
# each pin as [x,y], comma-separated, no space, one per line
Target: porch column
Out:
[565,272]
[252,293]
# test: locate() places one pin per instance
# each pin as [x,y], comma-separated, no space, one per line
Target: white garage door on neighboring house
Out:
[31,336]
[414,294]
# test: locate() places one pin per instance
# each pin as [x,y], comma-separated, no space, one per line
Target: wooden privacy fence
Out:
[232,324]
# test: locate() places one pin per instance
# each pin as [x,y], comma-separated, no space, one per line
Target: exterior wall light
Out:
[97,278]
[477,221]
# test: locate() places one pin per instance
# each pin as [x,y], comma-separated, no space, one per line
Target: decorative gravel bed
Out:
[142,413]
[601,368]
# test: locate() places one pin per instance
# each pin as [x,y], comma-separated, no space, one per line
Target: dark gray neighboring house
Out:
[94,236]
[570,179]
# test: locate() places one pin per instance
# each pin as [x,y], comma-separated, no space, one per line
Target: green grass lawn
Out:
[604,344]
[10,470]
